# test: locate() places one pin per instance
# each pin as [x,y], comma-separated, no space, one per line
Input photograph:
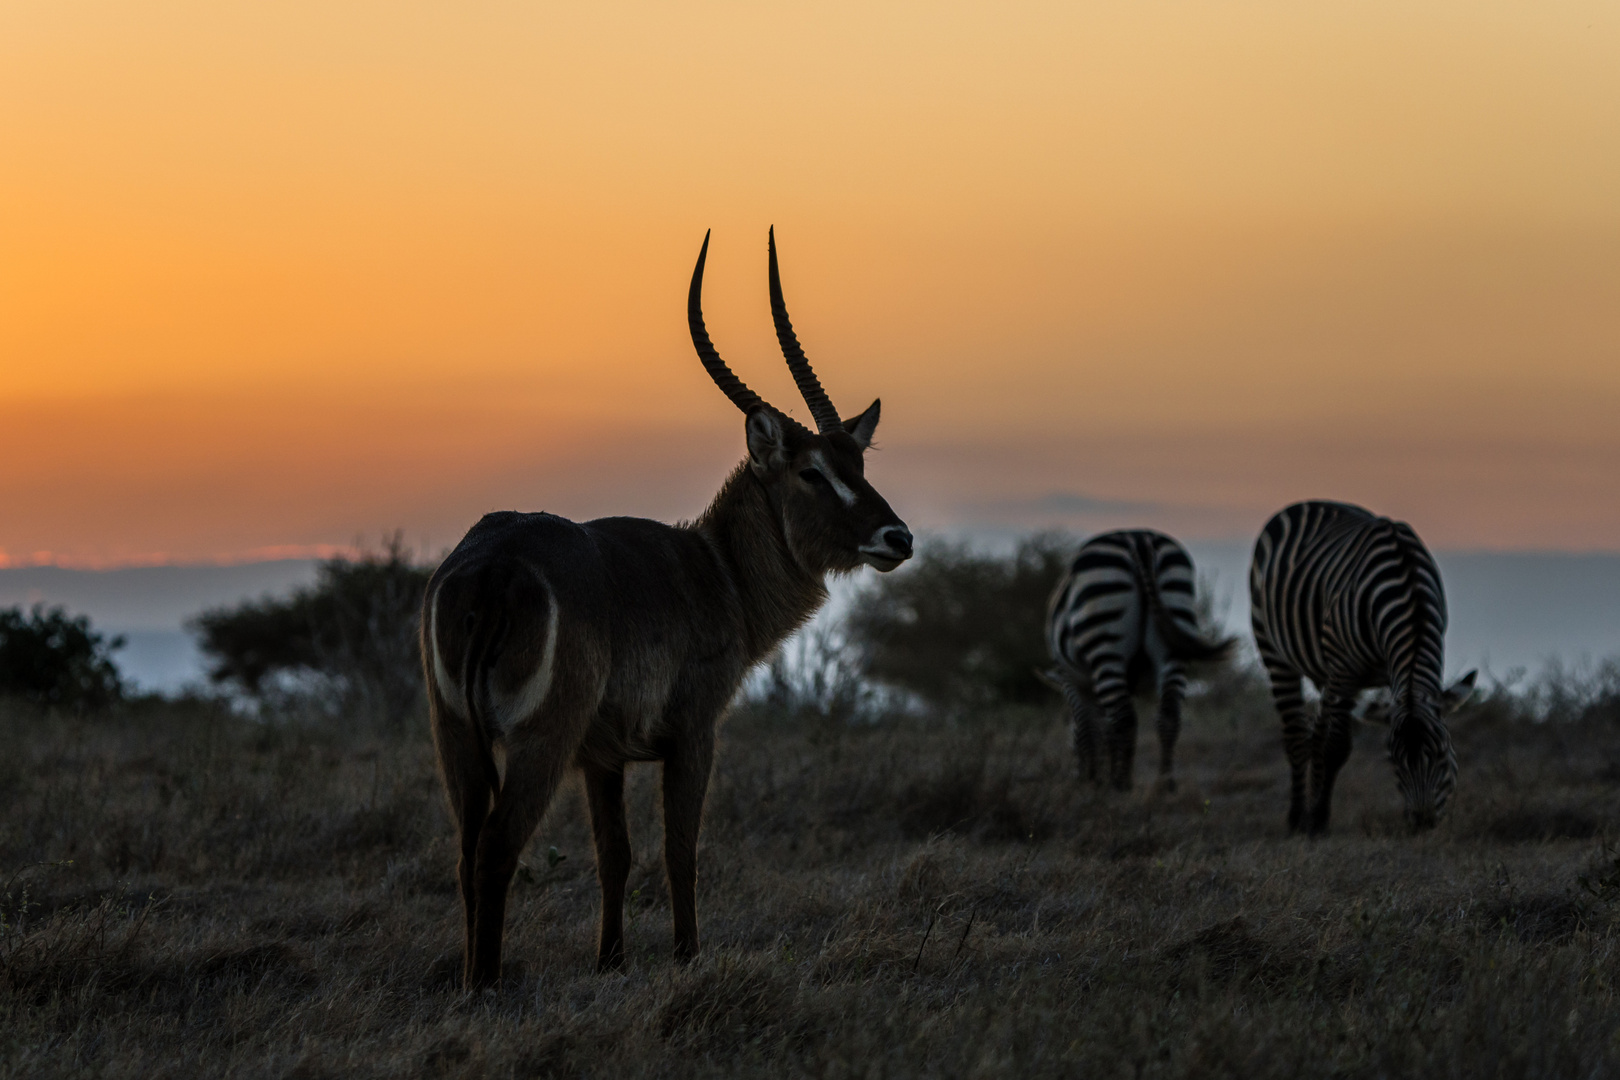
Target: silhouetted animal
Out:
[1122,615]
[1351,601]
[622,639]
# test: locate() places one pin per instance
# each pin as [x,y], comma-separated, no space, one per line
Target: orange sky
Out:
[281,276]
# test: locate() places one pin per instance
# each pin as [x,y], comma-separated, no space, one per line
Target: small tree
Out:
[51,658]
[353,635]
[962,629]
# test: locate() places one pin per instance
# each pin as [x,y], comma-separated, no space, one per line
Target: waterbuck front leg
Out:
[1331,751]
[686,784]
[1172,688]
[604,791]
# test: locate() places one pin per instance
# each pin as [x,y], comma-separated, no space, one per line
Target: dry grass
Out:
[194,895]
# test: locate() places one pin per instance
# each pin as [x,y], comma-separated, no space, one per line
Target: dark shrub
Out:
[352,637]
[962,629]
[51,658]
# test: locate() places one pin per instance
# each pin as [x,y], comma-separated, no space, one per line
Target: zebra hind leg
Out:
[1121,742]
[1082,733]
[1172,688]
[1288,693]
[1331,751]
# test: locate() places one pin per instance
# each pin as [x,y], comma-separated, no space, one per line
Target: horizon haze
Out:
[1508,610]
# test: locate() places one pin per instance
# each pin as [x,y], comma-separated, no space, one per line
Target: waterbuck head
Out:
[1419,746]
[832,519]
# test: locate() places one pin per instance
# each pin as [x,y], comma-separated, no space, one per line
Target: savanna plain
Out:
[194,893]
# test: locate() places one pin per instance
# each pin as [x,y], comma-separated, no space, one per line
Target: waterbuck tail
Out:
[485,630]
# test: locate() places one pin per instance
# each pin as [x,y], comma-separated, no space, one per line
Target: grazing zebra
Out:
[1353,601]
[1124,613]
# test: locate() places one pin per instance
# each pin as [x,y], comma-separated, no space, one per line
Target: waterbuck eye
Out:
[813,477]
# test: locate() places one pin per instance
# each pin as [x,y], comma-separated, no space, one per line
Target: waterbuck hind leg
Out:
[686,783]
[535,763]
[604,791]
[467,769]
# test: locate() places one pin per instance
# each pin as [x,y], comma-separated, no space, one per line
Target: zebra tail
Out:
[1184,644]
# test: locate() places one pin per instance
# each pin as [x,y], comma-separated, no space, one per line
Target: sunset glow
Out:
[278,278]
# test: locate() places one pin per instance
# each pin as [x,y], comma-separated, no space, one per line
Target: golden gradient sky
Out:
[281,276]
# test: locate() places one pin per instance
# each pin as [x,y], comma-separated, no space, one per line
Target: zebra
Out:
[1123,613]
[1353,601]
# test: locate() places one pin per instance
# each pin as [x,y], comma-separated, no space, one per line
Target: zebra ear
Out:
[1375,710]
[1051,676]
[1457,694]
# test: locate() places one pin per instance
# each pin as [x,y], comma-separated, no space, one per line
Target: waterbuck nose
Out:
[898,538]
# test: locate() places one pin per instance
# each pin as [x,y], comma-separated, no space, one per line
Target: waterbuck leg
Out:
[534,768]
[465,762]
[1332,750]
[686,783]
[604,791]
[1172,687]
[1287,691]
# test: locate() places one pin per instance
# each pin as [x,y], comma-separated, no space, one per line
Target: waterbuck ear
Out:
[767,442]
[861,427]
[1457,694]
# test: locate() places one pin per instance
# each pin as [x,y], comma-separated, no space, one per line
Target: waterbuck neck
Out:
[777,592]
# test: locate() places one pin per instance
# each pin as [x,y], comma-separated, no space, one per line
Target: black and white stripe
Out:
[1123,614]
[1353,601]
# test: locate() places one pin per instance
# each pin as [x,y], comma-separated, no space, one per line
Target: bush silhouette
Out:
[51,658]
[350,640]
[960,628]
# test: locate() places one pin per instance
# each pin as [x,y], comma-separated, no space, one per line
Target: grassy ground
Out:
[194,895]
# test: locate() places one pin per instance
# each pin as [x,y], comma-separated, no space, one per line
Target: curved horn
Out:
[733,387]
[809,386]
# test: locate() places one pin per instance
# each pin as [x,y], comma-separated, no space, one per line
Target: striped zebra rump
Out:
[1122,619]
[1353,601]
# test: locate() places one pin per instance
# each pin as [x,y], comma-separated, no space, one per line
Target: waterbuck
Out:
[622,639]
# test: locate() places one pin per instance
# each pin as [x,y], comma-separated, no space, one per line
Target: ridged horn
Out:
[733,387]
[821,408]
